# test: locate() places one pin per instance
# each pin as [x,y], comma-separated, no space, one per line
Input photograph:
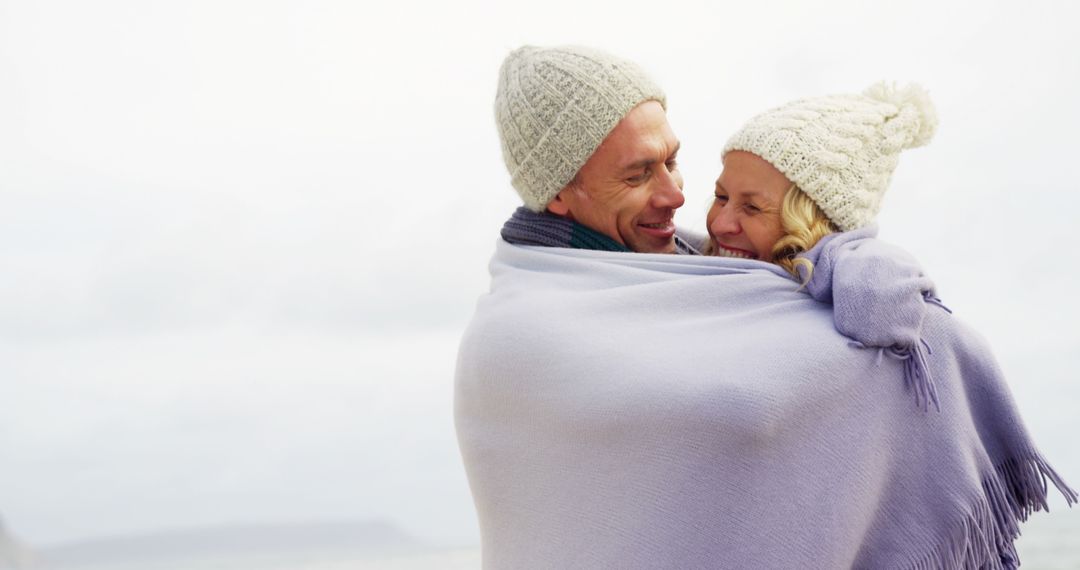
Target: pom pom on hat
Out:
[913,99]
[841,150]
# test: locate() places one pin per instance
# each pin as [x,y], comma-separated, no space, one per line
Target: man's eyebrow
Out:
[639,164]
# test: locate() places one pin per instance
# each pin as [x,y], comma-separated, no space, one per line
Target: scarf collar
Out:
[526,227]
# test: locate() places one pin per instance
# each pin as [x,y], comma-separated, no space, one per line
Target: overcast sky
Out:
[239,239]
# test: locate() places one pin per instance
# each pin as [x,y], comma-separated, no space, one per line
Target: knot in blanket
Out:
[880,296]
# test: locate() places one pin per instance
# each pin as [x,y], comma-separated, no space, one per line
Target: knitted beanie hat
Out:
[841,150]
[554,106]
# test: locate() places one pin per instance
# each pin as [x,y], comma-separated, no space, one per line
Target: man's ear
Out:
[558,205]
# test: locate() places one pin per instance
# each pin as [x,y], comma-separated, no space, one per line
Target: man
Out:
[589,149]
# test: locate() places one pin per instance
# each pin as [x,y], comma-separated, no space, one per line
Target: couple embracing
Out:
[785,392]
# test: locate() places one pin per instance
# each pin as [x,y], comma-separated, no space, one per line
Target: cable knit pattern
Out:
[553,108]
[841,150]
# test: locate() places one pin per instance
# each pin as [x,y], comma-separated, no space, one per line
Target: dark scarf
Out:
[526,227]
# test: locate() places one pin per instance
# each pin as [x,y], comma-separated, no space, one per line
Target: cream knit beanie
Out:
[841,150]
[554,106]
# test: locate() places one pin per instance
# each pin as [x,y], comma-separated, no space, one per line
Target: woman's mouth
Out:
[726,251]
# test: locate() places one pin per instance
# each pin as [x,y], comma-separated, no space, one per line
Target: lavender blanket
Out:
[619,410]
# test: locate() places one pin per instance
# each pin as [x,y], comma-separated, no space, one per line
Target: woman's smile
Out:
[728,251]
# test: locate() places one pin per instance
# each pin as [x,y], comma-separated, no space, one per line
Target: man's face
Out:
[630,187]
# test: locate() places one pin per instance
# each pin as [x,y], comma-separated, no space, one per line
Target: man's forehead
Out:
[646,116]
[658,153]
[643,135]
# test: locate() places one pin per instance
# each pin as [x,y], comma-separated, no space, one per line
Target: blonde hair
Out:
[804,225]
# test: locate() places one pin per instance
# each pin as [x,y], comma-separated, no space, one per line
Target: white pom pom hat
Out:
[841,150]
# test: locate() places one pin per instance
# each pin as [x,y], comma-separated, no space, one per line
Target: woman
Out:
[797,173]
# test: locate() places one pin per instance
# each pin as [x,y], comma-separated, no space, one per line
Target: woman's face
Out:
[744,220]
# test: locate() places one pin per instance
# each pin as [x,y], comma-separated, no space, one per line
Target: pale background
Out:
[240,239]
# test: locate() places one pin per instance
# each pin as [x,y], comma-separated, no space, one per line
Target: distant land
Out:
[14,554]
[239,546]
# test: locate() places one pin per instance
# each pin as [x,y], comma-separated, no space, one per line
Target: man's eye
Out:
[672,164]
[639,178]
[721,199]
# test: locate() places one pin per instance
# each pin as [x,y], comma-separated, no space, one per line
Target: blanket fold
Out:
[619,410]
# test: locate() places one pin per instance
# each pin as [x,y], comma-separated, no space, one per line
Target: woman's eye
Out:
[721,199]
[752,209]
[672,164]
[634,180]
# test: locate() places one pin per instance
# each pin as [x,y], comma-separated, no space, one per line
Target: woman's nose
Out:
[725,222]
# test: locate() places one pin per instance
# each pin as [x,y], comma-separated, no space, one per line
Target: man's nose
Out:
[725,222]
[668,194]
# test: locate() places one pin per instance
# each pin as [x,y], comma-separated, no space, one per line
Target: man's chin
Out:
[654,246]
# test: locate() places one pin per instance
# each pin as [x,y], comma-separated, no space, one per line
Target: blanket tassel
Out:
[916,371]
[932,299]
[984,538]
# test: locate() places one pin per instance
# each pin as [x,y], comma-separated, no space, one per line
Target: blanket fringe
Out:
[917,376]
[932,299]
[984,538]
